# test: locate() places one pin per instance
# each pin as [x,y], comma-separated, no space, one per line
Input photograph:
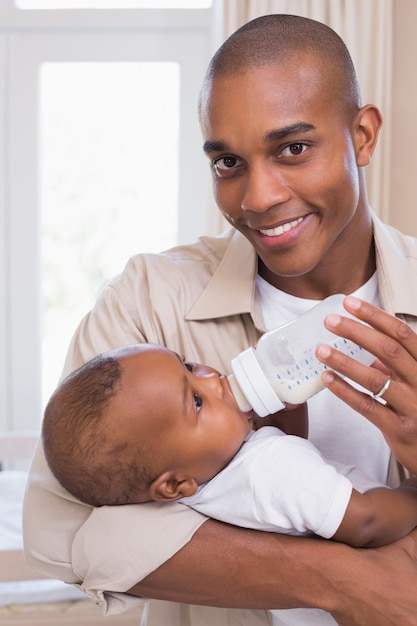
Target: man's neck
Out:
[344,272]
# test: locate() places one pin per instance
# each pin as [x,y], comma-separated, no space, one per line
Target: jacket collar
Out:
[231,288]
[396,263]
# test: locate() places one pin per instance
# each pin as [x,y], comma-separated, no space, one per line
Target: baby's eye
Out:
[197,401]
[189,366]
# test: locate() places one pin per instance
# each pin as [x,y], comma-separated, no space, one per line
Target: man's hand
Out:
[380,588]
[394,344]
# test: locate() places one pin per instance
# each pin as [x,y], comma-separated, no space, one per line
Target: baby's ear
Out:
[169,487]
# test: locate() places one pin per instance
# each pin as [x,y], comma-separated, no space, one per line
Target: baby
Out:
[140,423]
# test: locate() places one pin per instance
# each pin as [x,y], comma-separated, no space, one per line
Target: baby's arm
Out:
[379,516]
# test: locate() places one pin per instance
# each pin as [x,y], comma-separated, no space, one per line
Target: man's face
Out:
[186,410]
[284,164]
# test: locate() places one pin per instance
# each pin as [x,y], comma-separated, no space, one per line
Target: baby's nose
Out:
[205,370]
[212,380]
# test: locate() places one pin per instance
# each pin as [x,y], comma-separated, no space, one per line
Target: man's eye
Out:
[294,149]
[225,164]
[197,401]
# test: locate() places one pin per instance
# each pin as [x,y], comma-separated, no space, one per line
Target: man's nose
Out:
[265,188]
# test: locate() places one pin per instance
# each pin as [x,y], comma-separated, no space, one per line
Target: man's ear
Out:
[368,123]
[169,487]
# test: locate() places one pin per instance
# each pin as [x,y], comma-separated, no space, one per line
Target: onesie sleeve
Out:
[306,494]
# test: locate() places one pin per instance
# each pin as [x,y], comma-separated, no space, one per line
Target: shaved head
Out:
[277,39]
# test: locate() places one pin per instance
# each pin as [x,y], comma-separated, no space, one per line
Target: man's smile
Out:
[280,230]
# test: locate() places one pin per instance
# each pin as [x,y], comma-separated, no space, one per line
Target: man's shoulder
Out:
[204,249]
[213,261]
[205,254]
[199,281]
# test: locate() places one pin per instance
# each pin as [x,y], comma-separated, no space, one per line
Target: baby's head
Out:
[138,424]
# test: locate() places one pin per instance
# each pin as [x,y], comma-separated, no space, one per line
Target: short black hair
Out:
[79,452]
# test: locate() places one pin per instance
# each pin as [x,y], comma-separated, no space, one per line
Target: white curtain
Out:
[366,28]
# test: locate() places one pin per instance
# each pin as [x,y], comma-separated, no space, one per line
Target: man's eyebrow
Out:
[214,146]
[270,136]
[286,131]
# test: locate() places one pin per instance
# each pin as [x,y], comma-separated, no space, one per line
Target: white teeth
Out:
[280,230]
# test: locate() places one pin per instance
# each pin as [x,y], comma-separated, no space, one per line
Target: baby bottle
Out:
[283,367]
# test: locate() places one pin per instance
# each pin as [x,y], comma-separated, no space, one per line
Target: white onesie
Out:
[280,483]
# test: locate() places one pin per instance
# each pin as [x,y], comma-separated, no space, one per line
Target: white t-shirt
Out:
[334,428]
[280,483]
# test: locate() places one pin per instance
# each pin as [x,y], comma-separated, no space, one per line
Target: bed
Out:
[27,597]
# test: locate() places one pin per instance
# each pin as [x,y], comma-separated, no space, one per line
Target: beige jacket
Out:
[199,301]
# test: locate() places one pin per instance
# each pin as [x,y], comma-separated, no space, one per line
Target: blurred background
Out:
[100,151]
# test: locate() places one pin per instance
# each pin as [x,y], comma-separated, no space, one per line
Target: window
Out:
[101,159]
[113,4]
[109,183]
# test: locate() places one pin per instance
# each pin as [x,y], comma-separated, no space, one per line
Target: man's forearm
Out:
[229,567]
[233,567]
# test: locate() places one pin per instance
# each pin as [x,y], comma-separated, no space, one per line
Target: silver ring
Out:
[384,389]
